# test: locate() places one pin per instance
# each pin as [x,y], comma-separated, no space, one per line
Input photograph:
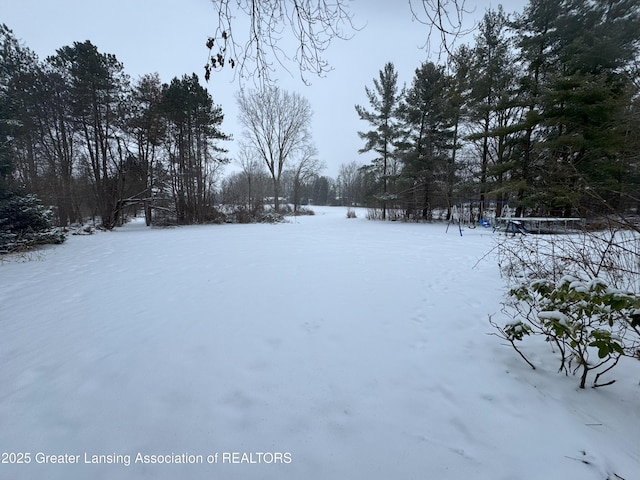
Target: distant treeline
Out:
[541,112]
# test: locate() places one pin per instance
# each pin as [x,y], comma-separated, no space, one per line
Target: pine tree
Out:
[458,92]
[24,221]
[492,103]
[98,85]
[193,130]
[535,29]
[586,105]
[428,121]
[148,128]
[384,100]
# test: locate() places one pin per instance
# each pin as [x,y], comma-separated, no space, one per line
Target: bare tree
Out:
[253,172]
[349,179]
[252,36]
[276,126]
[307,167]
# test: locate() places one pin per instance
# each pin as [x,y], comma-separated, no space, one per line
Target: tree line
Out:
[79,134]
[541,113]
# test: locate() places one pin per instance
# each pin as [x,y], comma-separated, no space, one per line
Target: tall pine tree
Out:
[428,119]
[382,139]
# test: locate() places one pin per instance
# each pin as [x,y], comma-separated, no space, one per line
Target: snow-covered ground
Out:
[323,348]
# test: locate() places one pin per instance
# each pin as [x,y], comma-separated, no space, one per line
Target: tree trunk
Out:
[276,195]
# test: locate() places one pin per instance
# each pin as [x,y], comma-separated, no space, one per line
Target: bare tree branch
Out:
[271,24]
[251,36]
[444,17]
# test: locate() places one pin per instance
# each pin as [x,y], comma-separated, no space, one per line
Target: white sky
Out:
[168,37]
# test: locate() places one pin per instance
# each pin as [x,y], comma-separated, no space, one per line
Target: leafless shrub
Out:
[612,255]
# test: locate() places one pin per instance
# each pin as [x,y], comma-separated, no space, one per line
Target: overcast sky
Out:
[168,37]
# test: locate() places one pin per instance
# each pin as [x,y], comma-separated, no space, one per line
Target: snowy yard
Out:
[323,348]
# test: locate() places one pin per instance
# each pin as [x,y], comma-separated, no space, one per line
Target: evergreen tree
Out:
[44,135]
[535,29]
[322,191]
[458,93]
[586,105]
[24,221]
[15,62]
[578,97]
[8,47]
[59,143]
[383,139]
[492,102]
[193,130]
[428,120]
[98,85]
[148,128]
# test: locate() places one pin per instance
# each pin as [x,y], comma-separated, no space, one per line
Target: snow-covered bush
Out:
[23,212]
[580,293]
[304,211]
[25,222]
[589,324]
[272,217]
